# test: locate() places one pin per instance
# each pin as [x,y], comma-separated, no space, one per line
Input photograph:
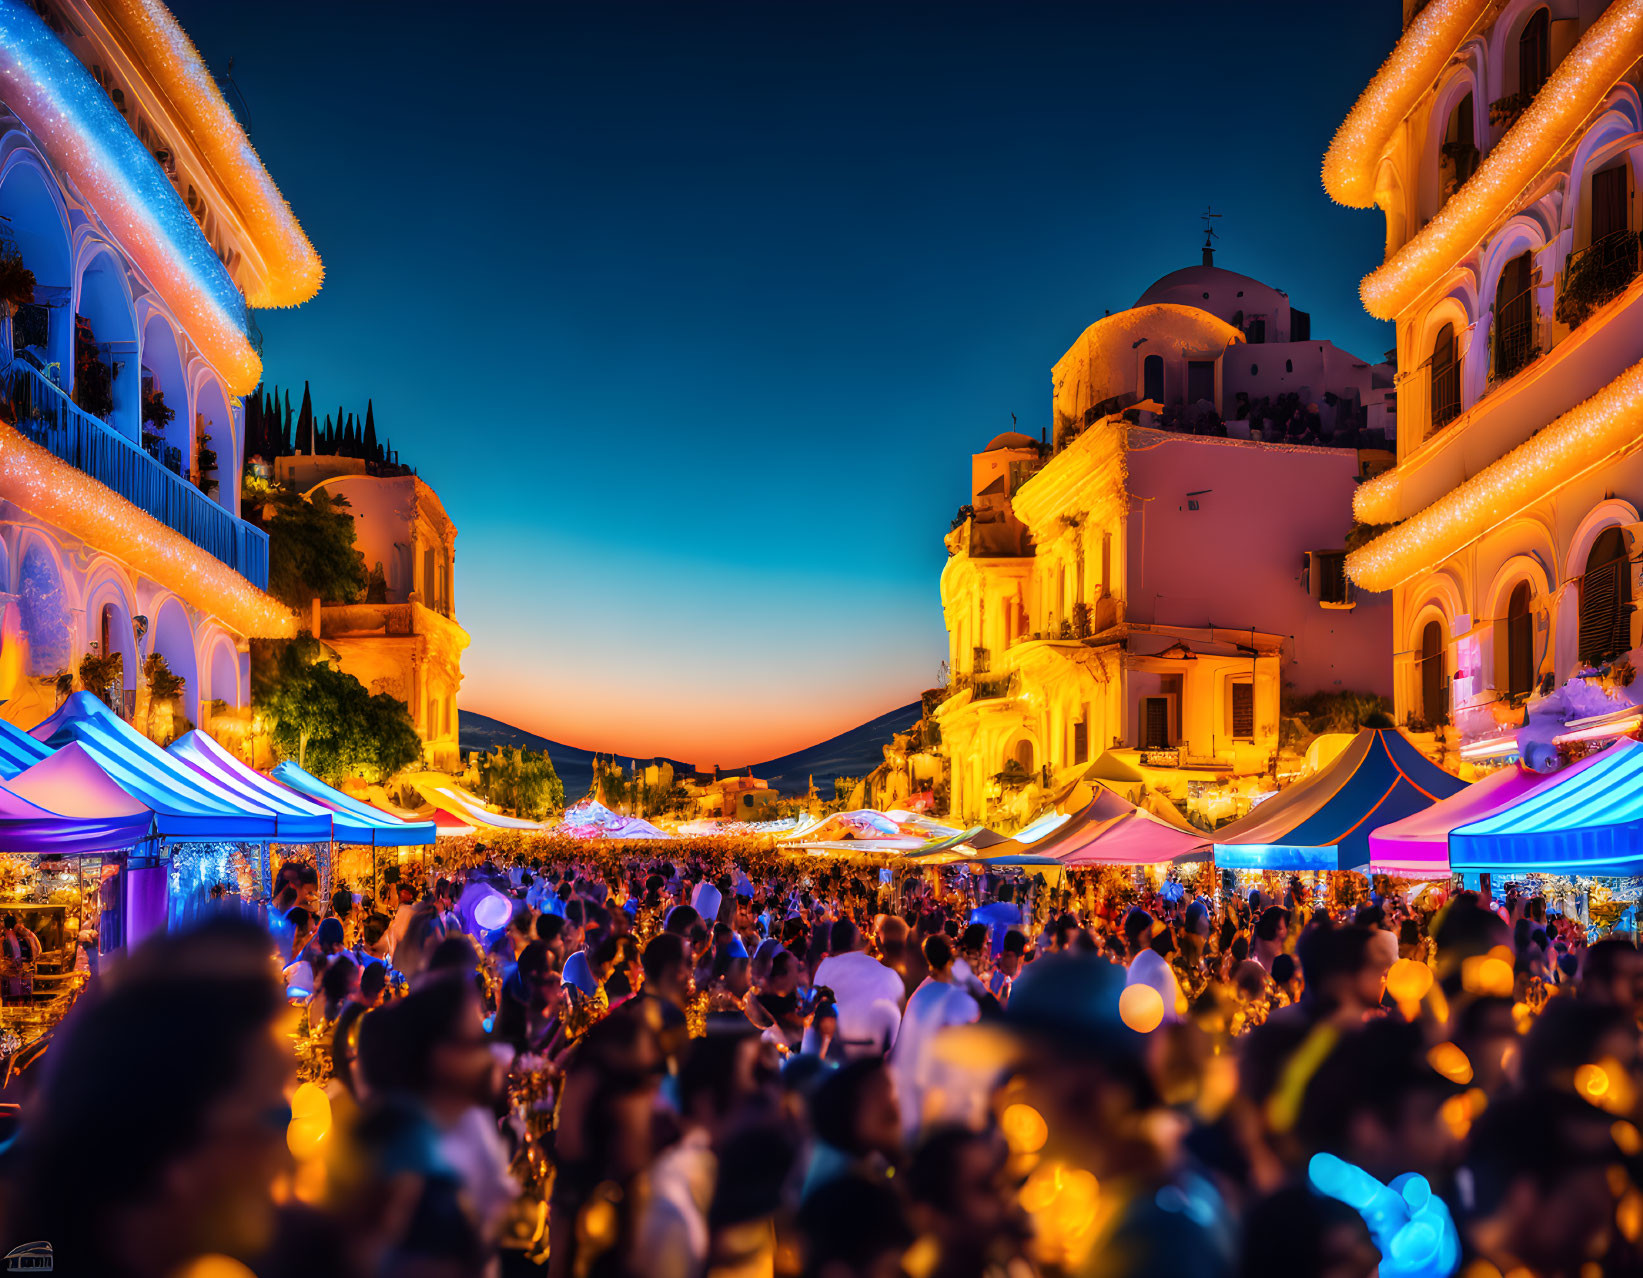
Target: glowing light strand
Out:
[54,491]
[1584,437]
[294,271]
[1408,72]
[87,138]
[1551,123]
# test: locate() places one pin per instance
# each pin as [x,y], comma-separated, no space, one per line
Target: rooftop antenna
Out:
[1208,217]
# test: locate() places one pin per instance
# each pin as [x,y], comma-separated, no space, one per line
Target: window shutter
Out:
[1243,710]
[1608,203]
[1601,617]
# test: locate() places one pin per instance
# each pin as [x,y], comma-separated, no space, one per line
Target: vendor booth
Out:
[1324,821]
[355,826]
[1417,847]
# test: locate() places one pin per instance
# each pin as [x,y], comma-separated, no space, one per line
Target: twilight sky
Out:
[692,314]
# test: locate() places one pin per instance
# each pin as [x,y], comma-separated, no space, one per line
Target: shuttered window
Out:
[1081,741]
[1156,724]
[1534,54]
[1434,684]
[1605,600]
[1520,638]
[1609,203]
[1243,710]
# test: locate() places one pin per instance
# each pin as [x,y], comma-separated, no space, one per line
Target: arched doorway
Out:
[1520,642]
[107,379]
[215,451]
[43,605]
[165,392]
[32,223]
[1606,600]
[1152,378]
[223,682]
[1434,682]
[108,621]
[174,641]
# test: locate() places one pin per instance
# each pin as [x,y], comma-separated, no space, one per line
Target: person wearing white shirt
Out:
[1147,966]
[937,1003]
[868,994]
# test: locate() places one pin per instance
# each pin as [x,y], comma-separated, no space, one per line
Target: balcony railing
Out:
[1597,274]
[59,425]
[1515,346]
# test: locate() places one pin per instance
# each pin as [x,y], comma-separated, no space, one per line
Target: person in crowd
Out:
[868,994]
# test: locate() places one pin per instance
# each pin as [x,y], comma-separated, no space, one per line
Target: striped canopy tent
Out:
[1108,830]
[447,825]
[1323,822]
[187,805]
[27,826]
[590,819]
[1584,820]
[978,838]
[296,819]
[1417,847]
[351,820]
[442,792]
[18,750]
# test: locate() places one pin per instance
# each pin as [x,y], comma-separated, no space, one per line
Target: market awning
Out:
[1586,819]
[590,819]
[1108,830]
[353,821]
[18,750]
[440,791]
[448,825]
[1323,822]
[296,819]
[186,805]
[1417,847]
[28,826]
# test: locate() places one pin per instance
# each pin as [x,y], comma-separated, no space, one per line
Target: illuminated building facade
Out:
[404,638]
[132,197]
[1501,142]
[1154,579]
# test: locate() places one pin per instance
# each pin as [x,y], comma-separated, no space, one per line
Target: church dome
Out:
[1214,289]
[1010,439]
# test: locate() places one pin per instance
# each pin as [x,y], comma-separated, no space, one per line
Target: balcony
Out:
[1516,344]
[48,417]
[1596,275]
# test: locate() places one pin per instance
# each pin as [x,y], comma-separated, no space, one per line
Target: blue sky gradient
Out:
[693,314]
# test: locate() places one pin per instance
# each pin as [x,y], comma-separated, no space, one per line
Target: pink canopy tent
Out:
[1108,830]
[1417,847]
[29,827]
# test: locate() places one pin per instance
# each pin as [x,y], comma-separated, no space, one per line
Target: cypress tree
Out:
[373,451]
[286,432]
[306,443]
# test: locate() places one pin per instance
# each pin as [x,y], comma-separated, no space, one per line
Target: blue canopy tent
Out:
[296,819]
[353,821]
[1584,820]
[1323,822]
[175,882]
[18,750]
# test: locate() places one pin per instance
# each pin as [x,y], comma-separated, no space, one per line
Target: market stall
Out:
[1323,822]
[1417,847]
[355,825]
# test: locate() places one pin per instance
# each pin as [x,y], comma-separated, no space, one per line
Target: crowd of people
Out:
[628,1064]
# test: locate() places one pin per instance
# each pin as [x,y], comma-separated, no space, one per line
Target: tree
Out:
[163,686]
[332,725]
[522,781]
[372,451]
[305,422]
[101,674]
[311,551]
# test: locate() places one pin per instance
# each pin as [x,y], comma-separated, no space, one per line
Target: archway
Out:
[33,223]
[223,673]
[44,608]
[107,380]
[216,450]
[165,391]
[109,626]
[1606,599]
[1434,682]
[174,641]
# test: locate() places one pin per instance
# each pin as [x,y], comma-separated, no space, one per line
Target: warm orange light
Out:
[1627,1137]
[1428,44]
[1550,124]
[1592,1082]
[214,1267]
[1487,975]
[1408,980]
[1024,1129]
[1141,1008]
[292,270]
[1451,1062]
[60,494]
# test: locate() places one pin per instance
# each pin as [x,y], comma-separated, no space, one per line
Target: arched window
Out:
[1514,318]
[1460,151]
[1444,384]
[1606,599]
[1152,378]
[1520,642]
[1534,54]
[1024,755]
[1434,682]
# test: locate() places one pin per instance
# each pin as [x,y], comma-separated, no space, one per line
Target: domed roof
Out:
[1010,439]
[1194,285]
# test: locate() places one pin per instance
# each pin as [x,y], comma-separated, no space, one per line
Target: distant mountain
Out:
[853,753]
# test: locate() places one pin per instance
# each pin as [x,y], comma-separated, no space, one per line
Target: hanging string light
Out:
[85,137]
[293,270]
[58,493]
[1587,436]
[1550,124]
[1430,41]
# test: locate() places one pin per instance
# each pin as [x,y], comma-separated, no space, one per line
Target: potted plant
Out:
[207,466]
[16,283]
[164,687]
[156,417]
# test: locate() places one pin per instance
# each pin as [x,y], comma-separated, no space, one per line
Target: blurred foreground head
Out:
[169,1079]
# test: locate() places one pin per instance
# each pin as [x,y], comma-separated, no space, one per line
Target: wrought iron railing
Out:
[1597,274]
[51,419]
[1443,382]
[1515,346]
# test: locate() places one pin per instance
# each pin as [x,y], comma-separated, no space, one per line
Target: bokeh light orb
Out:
[1141,1008]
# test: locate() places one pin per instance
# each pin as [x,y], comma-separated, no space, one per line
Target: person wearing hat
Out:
[1061,1047]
